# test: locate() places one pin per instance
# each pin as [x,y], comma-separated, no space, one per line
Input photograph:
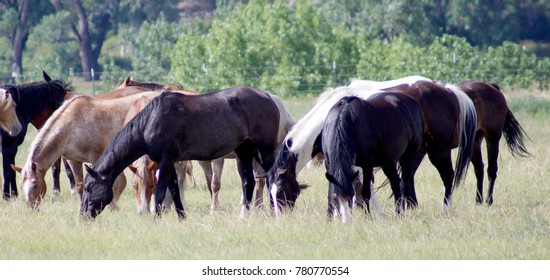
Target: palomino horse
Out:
[450,119]
[385,128]
[494,120]
[9,121]
[299,146]
[35,103]
[173,128]
[79,131]
[117,93]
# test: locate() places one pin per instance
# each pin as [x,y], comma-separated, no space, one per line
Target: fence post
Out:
[454,67]
[333,73]
[203,67]
[93,81]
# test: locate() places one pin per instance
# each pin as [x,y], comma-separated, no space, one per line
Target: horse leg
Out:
[216,183]
[477,162]
[55,174]
[409,191]
[260,184]
[118,188]
[245,155]
[492,168]
[366,189]
[189,172]
[78,176]
[8,158]
[70,176]
[443,163]
[395,183]
[167,180]
[181,173]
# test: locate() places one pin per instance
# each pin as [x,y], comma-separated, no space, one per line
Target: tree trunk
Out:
[17,41]
[85,45]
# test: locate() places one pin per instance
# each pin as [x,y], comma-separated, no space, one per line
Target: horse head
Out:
[8,116]
[144,182]
[33,182]
[284,187]
[97,194]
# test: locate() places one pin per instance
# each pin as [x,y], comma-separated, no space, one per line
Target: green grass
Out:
[517,226]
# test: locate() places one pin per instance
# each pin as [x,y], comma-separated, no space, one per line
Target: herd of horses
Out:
[155,130]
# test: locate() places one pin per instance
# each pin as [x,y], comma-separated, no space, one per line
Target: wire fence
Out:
[310,79]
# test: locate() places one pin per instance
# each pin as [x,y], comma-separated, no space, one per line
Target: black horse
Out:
[380,131]
[175,127]
[36,102]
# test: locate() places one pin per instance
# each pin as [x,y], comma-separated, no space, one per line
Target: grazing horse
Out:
[385,128]
[300,145]
[79,131]
[35,103]
[175,127]
[9,121]
[494,120]
[143,179]
[117,93]
[450,119]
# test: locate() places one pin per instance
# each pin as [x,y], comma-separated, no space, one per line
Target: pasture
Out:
[517,226]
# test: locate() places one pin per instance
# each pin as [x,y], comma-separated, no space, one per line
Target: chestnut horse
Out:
[494,120]
[173,128]
[35,103]
[79,131]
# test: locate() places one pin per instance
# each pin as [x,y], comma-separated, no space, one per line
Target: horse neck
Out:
[121,152]
[46,148]
[306,130]
[33,102]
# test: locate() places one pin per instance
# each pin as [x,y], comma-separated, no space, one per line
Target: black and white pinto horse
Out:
[301,144]
[377,132]
[176,127]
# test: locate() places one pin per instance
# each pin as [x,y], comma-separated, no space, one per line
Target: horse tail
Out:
[514,135]
[339,143]
[467,126]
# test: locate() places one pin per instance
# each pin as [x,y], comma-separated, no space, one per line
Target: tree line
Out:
[284,46]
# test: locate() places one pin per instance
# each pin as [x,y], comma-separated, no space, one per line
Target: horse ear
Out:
[133,169]
[16,168]
[127,80]
[330,178]
[46,76]
[89,169]
[151,166]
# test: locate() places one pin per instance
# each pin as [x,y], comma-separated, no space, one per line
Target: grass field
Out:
[517,226]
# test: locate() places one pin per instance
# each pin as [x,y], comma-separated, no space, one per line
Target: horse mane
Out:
[44,131]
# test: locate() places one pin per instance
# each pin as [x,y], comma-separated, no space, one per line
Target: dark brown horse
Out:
[35,104]
[494,119]
[175,127]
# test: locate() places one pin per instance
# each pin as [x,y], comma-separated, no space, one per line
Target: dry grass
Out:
[517,226]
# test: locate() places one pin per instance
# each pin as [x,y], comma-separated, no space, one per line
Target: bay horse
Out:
[80,130]
[9,121]
[379,131]
[175,127]
[494,120]
[450,119]
[301,145]
[36,102]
